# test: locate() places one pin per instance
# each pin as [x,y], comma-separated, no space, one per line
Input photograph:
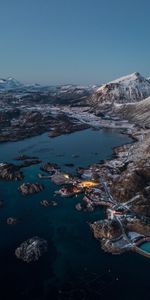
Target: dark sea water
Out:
[75,267]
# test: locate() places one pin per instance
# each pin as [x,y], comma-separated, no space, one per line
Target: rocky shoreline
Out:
[32,249]
[127,177]
[21,119]
[121,185]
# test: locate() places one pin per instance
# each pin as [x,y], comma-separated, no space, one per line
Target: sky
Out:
[74,41]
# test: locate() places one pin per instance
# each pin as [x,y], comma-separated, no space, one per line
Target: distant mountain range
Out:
[124,96]
[130,88]
[11,84]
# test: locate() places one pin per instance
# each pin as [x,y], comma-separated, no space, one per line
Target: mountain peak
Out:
[11,78]
[9,84]
[130,88]
[130,77]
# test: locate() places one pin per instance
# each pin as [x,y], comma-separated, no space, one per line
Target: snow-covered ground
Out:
[130,88]
[83,115]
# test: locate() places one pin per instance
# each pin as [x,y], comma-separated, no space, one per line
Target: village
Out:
[122,230]
[126,225]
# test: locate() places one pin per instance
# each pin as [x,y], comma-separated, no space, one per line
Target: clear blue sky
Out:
[74,41]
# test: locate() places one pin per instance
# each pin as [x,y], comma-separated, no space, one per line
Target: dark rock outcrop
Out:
[32,249]
[49,167]
[45,203]
[10,172]
[106,229]
[12,221]
[30,188]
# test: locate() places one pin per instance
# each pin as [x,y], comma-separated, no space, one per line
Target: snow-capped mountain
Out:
[127,89]
[9,84]
[61,91]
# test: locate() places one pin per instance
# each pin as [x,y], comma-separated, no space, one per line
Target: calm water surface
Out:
[75,267]
[146,247]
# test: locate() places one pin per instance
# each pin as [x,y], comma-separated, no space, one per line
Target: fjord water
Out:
[75,267]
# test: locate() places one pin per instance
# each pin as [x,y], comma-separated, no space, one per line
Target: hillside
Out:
[128,89]
[138,113]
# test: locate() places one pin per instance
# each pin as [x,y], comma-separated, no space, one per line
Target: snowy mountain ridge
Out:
[9,84]
[128,89]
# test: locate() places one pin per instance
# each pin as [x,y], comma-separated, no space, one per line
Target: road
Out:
[107,192]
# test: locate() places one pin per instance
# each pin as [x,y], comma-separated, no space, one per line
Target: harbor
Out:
[73,255]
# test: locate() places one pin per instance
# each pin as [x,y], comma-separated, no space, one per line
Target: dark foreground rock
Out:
[38,120]
[32,249]
[49,167]
[127,178]
[107,229]
[47,203]
[12,221]
[10,172]
[30,188]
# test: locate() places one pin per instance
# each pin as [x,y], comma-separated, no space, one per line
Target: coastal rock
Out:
[142,205]
[66,125]
[47,203]
[116,247]
[142,226]
[132,180]
[127,178]
[54,203]
[49,167]
[78,207]
[61,178]
[32,249]
[12,221]
[30,188]
[107,229]
[10,172]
